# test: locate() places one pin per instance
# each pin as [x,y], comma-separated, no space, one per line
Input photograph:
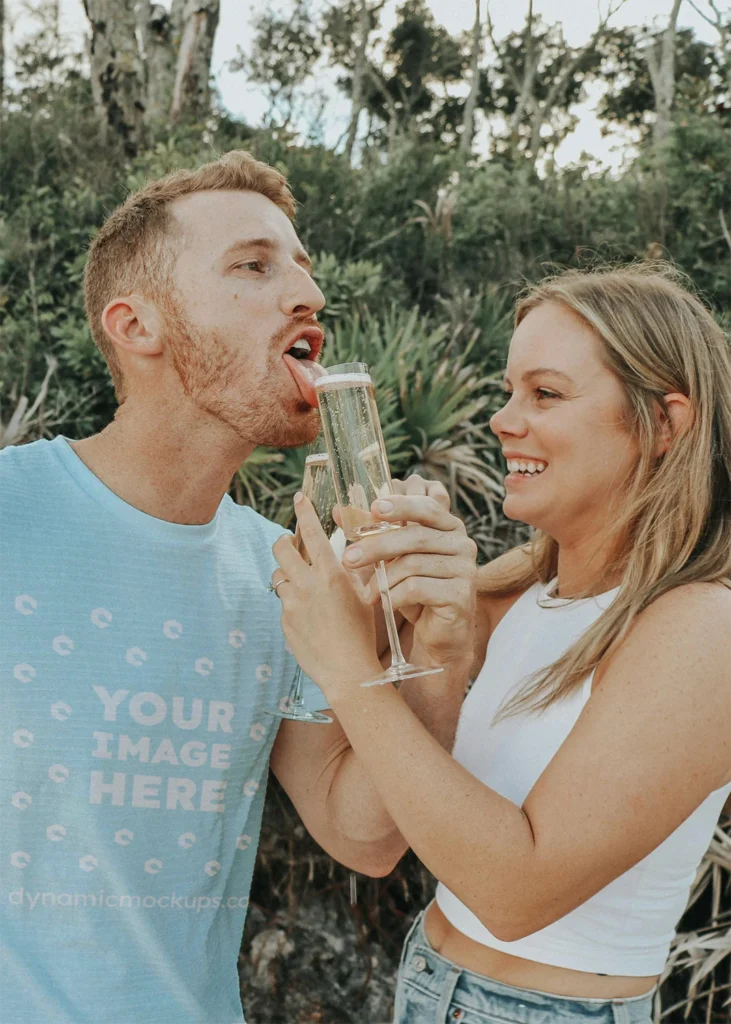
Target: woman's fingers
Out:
[416,484]
[416,508]
[410,539]
[436,567]
[455,596]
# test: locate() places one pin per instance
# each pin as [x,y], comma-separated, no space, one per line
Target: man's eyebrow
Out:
[268,245]
[542,371]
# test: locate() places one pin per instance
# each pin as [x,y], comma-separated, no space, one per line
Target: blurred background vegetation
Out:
[423,230]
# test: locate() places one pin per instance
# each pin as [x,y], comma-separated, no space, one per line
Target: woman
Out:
[593,752]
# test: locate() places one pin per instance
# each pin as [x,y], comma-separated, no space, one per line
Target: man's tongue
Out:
[305,372]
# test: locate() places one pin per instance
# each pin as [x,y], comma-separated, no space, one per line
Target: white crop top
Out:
[625,928]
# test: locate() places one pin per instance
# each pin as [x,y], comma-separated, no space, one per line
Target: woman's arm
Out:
[653,741]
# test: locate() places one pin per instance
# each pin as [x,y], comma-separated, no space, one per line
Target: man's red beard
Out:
[223,384]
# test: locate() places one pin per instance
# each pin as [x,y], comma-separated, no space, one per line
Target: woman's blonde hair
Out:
[675,526]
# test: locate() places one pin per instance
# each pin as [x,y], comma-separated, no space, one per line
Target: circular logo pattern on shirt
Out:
[55,833]
[60,711]
[285,704]
[153,866]
[136,656]
[24,673]
[62,644]
[250,787]
[22,737]
[20,859]
[89,862]
[243,842]
[212,868]
[25,604]
[58,773]
[237,638]
[186,840]
[263,673]
[204,666]
[172,629]
[124,837]
[21,800]
[101,618]
[257,731]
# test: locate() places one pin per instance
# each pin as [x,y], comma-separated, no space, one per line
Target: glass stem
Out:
[297,688]
[397,657]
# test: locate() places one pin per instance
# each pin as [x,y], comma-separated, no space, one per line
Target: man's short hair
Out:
[135,249]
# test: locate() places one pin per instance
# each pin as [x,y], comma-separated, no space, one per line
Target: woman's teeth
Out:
[527,468]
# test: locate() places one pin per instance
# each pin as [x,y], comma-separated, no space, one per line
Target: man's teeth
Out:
[302,345]
[528,468]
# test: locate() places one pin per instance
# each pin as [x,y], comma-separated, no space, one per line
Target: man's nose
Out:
[303,298]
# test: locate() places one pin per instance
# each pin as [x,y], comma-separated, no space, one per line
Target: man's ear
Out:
[675,419]
[134,324]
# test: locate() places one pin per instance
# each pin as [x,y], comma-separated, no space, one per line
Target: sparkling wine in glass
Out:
[352,431]
[317,485]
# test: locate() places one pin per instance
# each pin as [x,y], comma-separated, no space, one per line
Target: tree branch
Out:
[718,23]
[491,35]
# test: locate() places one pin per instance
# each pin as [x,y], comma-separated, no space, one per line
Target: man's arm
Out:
[331,789]
[326,781]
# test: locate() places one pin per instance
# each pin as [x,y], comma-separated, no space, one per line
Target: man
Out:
[142,654]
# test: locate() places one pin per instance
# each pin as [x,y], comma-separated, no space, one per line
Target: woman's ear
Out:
[675,419]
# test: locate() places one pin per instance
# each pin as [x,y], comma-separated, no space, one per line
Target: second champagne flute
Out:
[360,473]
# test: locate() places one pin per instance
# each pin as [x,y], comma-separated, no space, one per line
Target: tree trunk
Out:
[661,62]
[468,121]
[158,32]
[191,88]
[117,75]
[359,72]
[526,97]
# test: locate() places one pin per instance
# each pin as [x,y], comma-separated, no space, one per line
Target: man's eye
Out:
[251,265]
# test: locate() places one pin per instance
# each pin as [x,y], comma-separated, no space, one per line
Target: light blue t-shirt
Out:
[138,661]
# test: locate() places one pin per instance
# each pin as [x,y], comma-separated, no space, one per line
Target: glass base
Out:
[299,713]
[397,673]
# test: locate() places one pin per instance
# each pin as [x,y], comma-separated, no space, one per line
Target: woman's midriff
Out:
[453,945]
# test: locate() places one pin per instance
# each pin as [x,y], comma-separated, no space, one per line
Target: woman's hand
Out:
[328,624]
[431,569]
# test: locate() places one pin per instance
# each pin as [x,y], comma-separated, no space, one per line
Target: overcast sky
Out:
[578,17]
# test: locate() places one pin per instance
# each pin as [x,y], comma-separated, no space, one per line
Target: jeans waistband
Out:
[444,980]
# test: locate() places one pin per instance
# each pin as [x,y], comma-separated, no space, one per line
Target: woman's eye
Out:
[545,393]
[251,265]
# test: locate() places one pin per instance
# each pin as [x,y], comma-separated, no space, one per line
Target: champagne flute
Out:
[317,485]
[360,474]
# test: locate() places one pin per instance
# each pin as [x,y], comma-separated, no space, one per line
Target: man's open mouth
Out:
[307,344]
[300,359]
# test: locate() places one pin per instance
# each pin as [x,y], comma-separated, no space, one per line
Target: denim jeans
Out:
[433,990]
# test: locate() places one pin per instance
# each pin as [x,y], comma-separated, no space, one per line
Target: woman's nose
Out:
[508,420]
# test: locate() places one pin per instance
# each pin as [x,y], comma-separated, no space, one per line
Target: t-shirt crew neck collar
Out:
[153,527]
